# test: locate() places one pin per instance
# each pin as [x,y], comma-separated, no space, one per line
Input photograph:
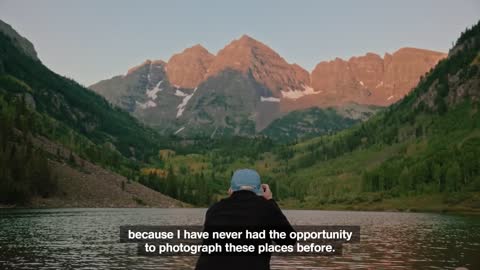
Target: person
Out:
[251,206]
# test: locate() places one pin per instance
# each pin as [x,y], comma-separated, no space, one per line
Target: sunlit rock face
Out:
[247,85]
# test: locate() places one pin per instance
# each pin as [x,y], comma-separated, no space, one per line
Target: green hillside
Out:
[307,124]
[313,122]
[35,102]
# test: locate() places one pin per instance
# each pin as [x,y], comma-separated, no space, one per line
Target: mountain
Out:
[56,133]
[381,81]
[147,94]
[368,79]
[247,85]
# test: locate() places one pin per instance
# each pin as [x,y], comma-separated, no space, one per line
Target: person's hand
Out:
[267,193]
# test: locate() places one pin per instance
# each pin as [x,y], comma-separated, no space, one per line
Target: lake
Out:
[89,239]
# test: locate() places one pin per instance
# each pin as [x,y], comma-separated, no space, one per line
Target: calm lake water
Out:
[88,239]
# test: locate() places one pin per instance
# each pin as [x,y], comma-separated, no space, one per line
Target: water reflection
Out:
[88,239]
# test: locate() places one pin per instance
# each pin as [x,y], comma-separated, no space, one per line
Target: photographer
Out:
[250,205]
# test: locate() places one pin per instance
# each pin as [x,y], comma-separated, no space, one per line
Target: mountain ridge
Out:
[240,54]
[165,95]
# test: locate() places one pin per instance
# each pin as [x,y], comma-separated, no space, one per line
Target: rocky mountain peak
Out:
[197,47]
[248,55]
[246,39]
[146,65]
[138,67]
[188,68]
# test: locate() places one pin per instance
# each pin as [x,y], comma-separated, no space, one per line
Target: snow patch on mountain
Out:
[179,130]
[296,94]
[148,104]
[152,94]
[179,93]
[269,99]
[390,97]
[214,132]
[183,104]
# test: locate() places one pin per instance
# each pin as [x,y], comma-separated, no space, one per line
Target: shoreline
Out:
[468,211]
[433,203]
[453,210]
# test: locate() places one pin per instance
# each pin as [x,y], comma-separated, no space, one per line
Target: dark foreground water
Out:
[88,239]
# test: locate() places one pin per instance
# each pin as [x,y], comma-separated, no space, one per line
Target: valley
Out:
[165,136]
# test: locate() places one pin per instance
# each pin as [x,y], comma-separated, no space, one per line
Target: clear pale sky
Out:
[91,40]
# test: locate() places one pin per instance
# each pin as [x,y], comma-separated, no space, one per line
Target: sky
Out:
[92,40]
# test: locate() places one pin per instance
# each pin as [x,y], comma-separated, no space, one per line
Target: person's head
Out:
[245,179]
